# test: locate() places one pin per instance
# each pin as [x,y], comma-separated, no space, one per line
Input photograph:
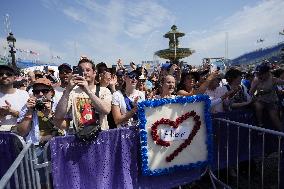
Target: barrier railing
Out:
[234,143]
[22,174]
[243,142]
[19,163]
[10,147]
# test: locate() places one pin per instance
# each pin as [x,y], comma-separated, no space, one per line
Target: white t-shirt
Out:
[118,100]
[214,95]
[17,101]
[58,94]
[82,107]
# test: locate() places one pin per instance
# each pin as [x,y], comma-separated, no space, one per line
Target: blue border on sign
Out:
[143,133]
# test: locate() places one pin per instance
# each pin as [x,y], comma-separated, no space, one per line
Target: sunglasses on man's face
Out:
[43,91]
[38,76]
[65,72]
[133,76]
[8,74]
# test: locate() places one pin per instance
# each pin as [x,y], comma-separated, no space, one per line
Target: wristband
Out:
[29,117]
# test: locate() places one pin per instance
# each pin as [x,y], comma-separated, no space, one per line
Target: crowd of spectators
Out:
[41,106]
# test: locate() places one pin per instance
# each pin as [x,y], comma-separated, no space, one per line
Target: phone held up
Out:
[78,70]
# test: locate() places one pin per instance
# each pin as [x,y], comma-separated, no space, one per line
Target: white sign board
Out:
[174,134]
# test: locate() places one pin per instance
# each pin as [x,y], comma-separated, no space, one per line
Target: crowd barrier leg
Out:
[47,168]
[29,183]
[249,158]
[262,159]
[227,153]
[218,149]
[280,163]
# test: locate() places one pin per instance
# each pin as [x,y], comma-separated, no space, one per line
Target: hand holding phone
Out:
[78,70]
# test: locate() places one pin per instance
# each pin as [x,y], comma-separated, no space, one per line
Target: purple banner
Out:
[110,161]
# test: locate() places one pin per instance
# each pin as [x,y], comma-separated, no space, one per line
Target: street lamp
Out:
[11,42]
[282,55]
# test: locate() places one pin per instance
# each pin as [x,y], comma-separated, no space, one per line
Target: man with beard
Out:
[11,99]
[65,71]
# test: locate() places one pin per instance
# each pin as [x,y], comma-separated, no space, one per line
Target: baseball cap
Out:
[64,66]
[7,67]
[38,72]
[166,66]
[43,81]
[132,74]
[120,73]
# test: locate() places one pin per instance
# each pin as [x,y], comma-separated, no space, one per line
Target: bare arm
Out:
[25,125]
[185,93]
[254,85]
[103,106]
[61,110]
[118,117]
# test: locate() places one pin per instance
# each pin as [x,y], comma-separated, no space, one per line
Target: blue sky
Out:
[132,30]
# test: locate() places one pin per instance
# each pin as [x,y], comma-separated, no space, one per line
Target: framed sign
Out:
[175,133]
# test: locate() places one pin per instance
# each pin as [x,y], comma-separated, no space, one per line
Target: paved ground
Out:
[270,176]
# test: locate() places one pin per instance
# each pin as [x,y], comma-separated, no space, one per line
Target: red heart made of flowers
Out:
[175,124]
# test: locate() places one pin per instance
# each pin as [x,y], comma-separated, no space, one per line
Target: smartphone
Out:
[45,69]
[78,70]
[113,70]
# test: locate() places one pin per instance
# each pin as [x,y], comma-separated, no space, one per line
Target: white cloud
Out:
[72,12]
[146,16]
[244,27]
[133,30]
[117,29]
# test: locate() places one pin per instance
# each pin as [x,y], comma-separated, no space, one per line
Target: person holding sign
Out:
[124,101]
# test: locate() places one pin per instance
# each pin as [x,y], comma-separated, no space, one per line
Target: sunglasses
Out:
[37,91]
[133,76]
[65,71]
[38,76]
[8,74]
[142,80]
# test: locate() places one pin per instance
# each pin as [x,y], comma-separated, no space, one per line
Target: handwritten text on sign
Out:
[171,134]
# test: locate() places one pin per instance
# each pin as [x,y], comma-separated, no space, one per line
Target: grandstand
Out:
[271,53]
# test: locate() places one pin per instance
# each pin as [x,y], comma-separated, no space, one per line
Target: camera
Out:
[40,104]
[78,70]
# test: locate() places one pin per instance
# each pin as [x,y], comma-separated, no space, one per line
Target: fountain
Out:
[174,53]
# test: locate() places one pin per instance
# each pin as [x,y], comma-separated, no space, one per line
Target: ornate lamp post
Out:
[11,42]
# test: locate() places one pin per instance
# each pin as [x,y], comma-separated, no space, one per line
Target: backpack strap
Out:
[97,115]
[228,87]
[129,106]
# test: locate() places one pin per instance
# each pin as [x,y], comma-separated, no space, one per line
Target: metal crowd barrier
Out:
[243,142]
[236,143]
[24,172]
